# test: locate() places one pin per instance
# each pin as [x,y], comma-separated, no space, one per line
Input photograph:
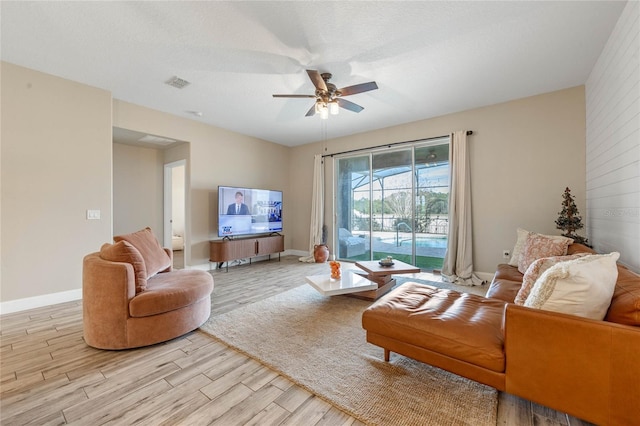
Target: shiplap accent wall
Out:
[613,142]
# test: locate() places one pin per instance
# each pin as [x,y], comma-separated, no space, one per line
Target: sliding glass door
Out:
[394,203]
[392,185]
[431,215]
[353,208]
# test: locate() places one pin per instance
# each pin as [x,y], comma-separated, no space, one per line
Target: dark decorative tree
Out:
[569,219]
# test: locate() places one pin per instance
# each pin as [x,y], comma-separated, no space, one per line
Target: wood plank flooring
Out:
[49,376]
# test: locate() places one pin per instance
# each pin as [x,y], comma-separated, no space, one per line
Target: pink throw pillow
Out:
[155,258]
[522,239]
[122,251]
[538,246]
[535,270]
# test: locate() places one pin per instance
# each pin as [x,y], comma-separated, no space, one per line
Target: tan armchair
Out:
[132,297]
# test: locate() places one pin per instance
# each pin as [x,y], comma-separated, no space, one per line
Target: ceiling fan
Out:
[329,99]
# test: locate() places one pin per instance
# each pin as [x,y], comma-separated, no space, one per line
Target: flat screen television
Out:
[248,211]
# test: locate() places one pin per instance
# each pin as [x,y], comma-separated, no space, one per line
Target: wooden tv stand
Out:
[240,248]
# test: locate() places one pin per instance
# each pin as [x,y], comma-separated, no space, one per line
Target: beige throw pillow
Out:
[582,286]
[155,258]
[122,251]
[538,246]
[536,269]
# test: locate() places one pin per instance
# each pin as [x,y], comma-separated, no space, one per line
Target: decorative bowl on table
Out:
[387,261]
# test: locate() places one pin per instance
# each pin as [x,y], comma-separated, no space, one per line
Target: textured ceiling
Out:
[428,58]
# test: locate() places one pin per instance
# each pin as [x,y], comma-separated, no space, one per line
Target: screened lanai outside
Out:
[394,203]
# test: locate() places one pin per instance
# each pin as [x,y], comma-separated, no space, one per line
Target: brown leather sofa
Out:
[587,368]
[131,297]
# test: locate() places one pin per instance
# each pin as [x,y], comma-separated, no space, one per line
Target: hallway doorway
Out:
[175,210]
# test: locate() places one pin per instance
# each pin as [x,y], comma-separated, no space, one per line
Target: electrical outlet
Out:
[505,254]
[93,214]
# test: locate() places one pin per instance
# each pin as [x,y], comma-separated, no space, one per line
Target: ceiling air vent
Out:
[177,82]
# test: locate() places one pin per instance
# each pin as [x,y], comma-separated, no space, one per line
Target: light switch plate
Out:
[93,214]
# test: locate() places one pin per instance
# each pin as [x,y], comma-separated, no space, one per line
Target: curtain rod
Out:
[389,145]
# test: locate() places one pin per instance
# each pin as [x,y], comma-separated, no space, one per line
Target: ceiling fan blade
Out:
[293,96]
[317,80]
[358,88]
[349,105]
[311,112]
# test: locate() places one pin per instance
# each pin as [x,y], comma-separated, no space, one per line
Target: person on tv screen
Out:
[239,207]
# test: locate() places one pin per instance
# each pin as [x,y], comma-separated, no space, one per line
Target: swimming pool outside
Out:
[433,244]
[422,242]
[430,248]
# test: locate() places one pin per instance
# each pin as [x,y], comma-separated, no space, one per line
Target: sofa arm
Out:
[107,288]
[170,254]
[579,366]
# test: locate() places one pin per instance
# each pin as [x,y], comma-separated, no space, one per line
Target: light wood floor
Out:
[49,376]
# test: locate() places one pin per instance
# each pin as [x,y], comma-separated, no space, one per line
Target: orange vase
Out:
[320,253]
[335,270]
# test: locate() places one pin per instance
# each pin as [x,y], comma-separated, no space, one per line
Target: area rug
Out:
[318,343]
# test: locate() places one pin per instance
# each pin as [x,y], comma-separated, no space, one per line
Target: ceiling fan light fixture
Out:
[334,108]
[328,98]
[324,111]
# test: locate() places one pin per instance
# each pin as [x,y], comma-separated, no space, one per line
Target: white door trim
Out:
[167,205]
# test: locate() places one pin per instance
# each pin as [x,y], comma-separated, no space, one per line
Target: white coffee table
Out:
[383,276]
[348,283]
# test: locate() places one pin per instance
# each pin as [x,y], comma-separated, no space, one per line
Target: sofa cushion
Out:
[582,286]
[522,235]
[169,291]
[579,248]
[460,325]
[504,289]
[538,246]
[155,258]
[625,303]
[536,269]
[506,283]
[122,251]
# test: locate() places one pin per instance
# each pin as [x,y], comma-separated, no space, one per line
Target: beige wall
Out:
[217,157]
[523,154]
[298,218]
[56,164]
[138,189]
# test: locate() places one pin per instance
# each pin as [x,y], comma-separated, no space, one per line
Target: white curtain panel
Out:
[458,260]
[317,207]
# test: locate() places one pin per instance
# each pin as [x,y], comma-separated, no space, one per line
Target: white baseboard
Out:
[485,276]
[300,253]
[18,305]
[212,265]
